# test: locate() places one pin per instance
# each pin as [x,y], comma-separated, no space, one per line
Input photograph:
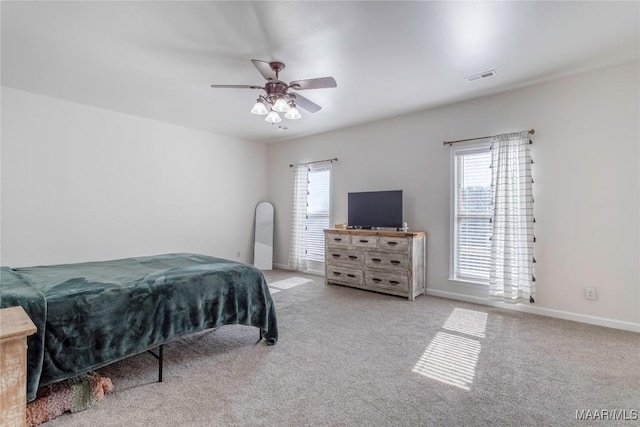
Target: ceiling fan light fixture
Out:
[277,98]
[272,117]
[293,113]
[259,108]
[281,105]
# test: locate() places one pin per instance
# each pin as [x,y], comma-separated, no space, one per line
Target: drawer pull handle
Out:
[375,279]
[353,257]
[336,273]
[394,282]
[392,243]
[335,255]
[364,241]
[337,239]
[394,262]
[376,259]
[351,275]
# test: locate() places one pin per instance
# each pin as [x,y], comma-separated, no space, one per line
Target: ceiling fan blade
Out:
[265,69]
[303,102]
[236,87]
[320,83]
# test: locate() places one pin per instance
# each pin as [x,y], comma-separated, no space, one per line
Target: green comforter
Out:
[91,314]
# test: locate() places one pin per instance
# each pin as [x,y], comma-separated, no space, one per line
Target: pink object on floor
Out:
[73,395]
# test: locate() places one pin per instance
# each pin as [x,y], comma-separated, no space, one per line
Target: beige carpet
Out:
[355,358]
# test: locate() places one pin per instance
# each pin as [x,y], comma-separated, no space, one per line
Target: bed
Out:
[92,314]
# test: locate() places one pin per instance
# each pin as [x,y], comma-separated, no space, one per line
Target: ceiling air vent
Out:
[481,76]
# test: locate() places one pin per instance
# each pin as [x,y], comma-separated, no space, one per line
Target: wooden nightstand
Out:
[15,327]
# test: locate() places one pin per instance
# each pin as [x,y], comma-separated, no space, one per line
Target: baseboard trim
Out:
[549,312]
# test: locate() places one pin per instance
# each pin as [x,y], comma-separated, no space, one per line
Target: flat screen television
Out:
[373,209]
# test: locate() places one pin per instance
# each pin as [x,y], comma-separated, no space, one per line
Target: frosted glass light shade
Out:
[272,117]
[280,106]
[259,109]
[292,114]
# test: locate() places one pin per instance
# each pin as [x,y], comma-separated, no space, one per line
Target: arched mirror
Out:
[263,248]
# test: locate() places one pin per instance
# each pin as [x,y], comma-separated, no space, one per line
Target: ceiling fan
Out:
[278,99]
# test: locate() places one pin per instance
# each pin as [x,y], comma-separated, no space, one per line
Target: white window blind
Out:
[472,211]
[318,209]
[297,257]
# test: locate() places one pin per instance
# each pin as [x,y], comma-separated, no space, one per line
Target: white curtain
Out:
[511,269]
[297,252]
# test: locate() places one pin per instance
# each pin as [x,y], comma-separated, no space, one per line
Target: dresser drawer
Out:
[387,261]
[364,241]
[344,274]
[400,244]
[395,281]
[337,240]
[353,257]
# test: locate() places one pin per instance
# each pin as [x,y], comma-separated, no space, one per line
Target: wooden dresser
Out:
[391,262]
[15,326]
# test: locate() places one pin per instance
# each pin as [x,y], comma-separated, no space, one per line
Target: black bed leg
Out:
[160,363]
[159,356]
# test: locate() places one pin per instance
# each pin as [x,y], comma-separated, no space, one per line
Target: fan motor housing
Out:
[276,88]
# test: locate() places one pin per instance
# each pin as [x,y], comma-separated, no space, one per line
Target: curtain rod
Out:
[531,132]
[335,159]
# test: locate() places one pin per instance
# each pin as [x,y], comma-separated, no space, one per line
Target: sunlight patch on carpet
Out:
[289,283]
[468,322]
[450,359]
[273,290]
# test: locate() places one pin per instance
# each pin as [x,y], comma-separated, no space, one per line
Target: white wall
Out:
[586,183]
[86,184]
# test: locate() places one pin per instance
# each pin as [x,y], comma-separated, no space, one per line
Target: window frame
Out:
[455,150]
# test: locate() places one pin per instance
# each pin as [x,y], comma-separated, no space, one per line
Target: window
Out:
[310,215]
[318,210]
[472,211]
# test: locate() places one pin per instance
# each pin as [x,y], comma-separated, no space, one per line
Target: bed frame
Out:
[160,356]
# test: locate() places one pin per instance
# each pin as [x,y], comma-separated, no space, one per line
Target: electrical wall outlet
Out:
[238,254]
[590,293]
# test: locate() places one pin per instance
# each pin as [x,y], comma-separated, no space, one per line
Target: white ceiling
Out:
[157,59]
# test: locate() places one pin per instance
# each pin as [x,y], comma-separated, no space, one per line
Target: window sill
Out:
[468,283]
